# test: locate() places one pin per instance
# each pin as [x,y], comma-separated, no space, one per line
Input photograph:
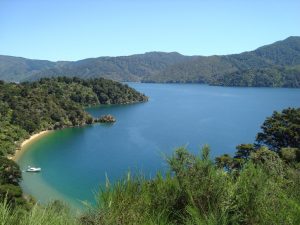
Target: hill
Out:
[274,65]
[17,68]
[122,68]
[271,65]
[55,103]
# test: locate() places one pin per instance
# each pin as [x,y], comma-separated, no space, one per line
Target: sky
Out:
[77,29]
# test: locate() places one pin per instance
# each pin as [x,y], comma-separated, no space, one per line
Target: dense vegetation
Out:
[122,68]
[107,119]
[259,185]
[275,65]
[28,108]
[266,77]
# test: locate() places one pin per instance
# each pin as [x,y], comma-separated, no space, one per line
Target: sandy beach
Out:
[28,141]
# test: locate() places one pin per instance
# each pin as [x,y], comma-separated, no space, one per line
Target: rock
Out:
[107,119]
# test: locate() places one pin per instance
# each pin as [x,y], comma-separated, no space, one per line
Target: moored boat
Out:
[33,169]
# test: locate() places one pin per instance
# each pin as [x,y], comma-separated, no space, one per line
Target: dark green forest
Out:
[274,65]
[121,68]
[54,103]
[267,77]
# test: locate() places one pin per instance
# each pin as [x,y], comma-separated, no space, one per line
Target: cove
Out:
[75,161]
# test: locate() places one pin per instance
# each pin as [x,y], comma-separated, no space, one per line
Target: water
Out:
[76,161]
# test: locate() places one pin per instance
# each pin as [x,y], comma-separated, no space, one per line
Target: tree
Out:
[224,161]
[290,155]
[10,172]
[12,193]
[270,161]
[244,151]
[281,130]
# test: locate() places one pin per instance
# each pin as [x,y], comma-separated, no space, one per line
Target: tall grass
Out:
[195,191]
[52,214]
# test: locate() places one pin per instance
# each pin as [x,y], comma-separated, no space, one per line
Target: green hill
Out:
[54,103]
[271,65]
[17,68]
[122,68]
[274,65]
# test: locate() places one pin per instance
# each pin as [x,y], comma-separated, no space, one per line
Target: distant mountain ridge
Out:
[280,60]
[121,68]
[277,65]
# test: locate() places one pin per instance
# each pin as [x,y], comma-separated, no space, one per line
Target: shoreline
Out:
[27,142]
[22,147]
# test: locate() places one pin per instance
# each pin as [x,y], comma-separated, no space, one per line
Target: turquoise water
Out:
[75,160]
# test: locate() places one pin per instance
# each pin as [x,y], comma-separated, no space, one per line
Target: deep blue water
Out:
[74,161]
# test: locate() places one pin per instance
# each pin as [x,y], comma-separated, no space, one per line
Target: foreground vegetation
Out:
[54,213]
[258,185]
[195,191]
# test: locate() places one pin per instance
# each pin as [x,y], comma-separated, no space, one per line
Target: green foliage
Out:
[290,155]
[269,161]
[14,195]
[195,191]
[52,214]
[163,200]
[235,163]
[124,68]
[280,133]
[244,151]
[28,108]
[281,130]
[10,176]
[225,161]
[275,65]
[258,197]
[9,172]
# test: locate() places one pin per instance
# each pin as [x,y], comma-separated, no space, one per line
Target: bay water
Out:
[76,161]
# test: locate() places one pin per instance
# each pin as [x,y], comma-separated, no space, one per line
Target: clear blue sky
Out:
[73,29]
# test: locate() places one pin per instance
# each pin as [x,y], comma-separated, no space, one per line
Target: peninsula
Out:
[26,109]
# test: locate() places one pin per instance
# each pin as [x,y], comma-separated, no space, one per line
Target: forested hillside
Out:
[54,103]
[274,65]
[18,69]
[122,68]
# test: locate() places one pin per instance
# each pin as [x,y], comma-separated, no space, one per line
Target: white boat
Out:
[33,169]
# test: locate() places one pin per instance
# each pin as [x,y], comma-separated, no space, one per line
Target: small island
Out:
[106,119]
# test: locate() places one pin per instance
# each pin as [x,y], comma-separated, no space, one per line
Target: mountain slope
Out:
[277,65]
[280,57]
[17,68]
[123,68]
